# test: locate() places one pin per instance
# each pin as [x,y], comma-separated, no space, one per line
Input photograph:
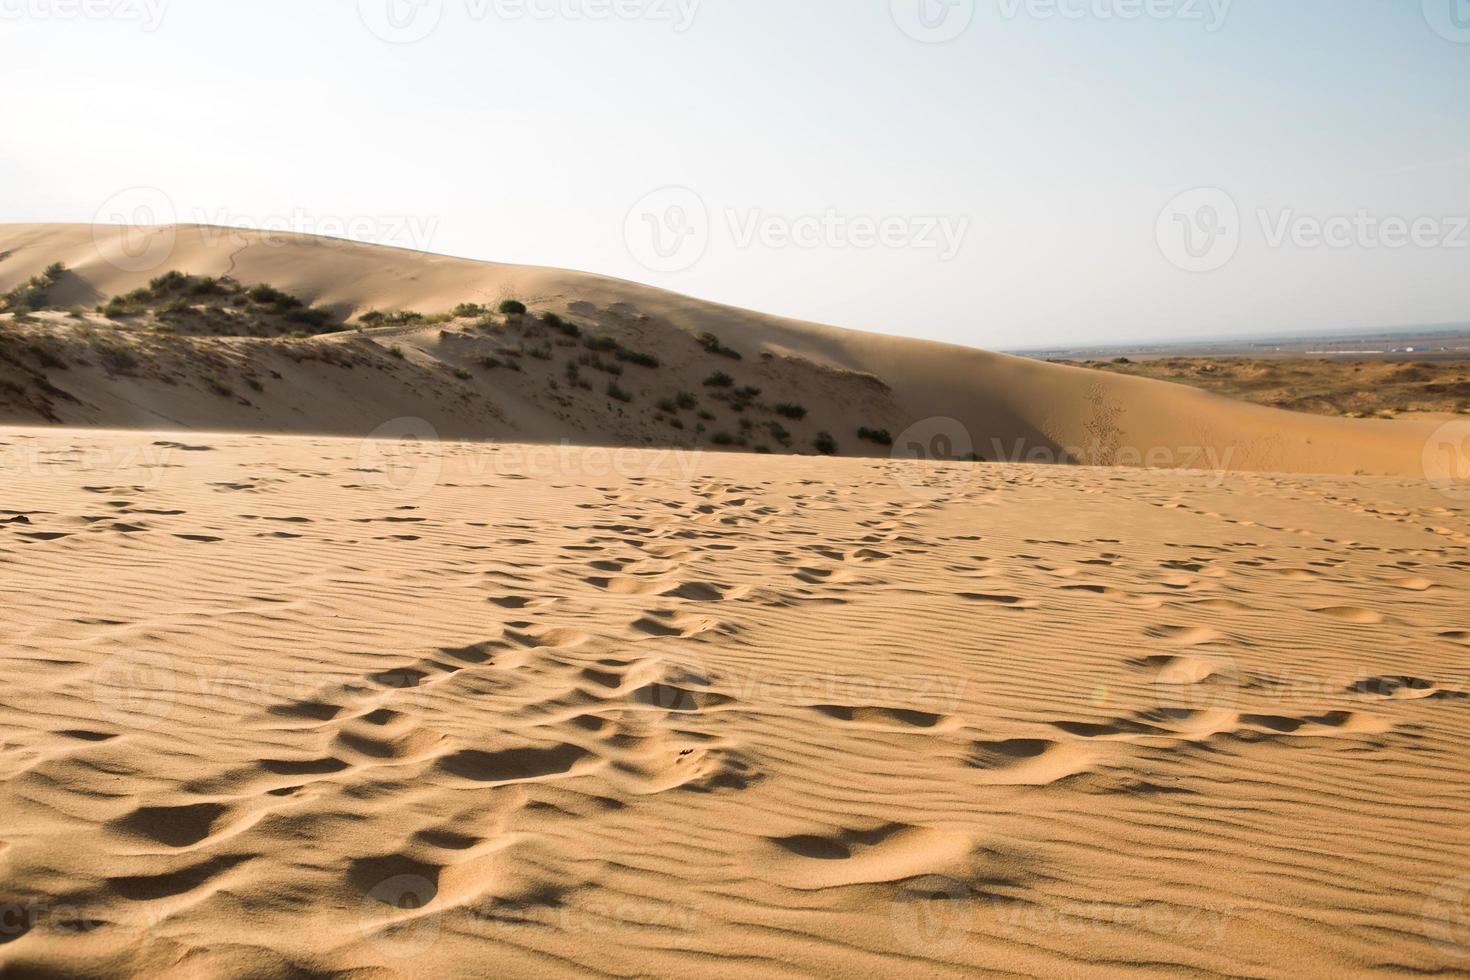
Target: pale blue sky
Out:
[1054,143]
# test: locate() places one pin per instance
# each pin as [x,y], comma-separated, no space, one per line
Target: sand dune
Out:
[299,706]
[941,397]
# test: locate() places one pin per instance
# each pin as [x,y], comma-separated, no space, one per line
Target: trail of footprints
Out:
[630,712]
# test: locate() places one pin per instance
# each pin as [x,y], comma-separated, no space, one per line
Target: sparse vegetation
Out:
[33,294]
[598,364]
[116,358]
[879,436]
[617,392]
[637,357]
[790,411]
[219,306]
[719,379]
[711,344]
[466,311]
[219,387]
[557,323]
[825,444]
[47,357]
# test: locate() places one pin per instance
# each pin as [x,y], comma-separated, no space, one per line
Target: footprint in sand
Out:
[879,718]
[891,852]
[1406,689]
[1351,614]
[1186,636]
[1030,761]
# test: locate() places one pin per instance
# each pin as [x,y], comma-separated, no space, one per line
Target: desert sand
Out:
[298,706]
[546,686]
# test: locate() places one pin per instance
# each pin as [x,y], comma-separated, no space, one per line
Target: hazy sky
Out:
[998,173]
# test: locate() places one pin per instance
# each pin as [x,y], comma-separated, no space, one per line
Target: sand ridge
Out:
[925,395]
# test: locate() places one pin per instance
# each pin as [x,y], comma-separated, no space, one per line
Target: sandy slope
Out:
[1005,407]
[307,707]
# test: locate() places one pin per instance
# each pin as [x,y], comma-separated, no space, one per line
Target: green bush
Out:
[173,279]
[511,307]
[557,323]
[599,343]
[208,286]
[46,356]
[32,294]
[614,391]
[637,357]
[722,439]
[465,311]
[719,380]
[267,295]
[825,444]
[310,317]
[790,411]
[880,436]
[711,343]
[685,400]
[117,359]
